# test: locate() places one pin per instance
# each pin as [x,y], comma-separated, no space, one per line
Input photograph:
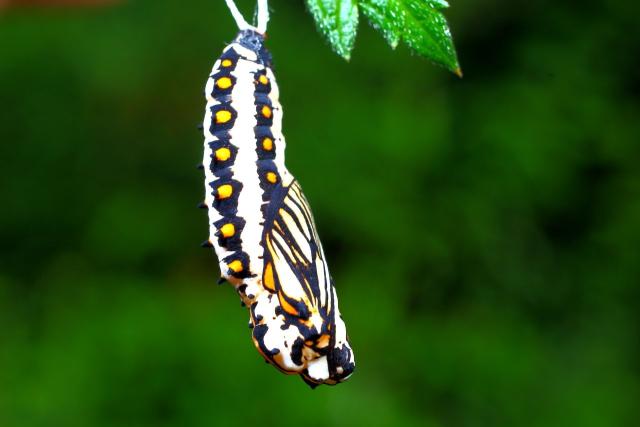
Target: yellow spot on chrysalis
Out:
[272,177]
[228,230]
[267,144]
[223,116]
[235,266]
[227,63]
[224,191]
[267,278]
[263,79]
[224,83]
[223,154]
[266,111]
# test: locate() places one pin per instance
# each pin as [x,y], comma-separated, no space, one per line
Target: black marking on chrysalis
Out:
[258,334]
[261,133]
[230,55]
[301,308]
[256,317]
[296,351]
[244,260]
[242,290]
[232,243]
[259,77]
[222,93]
[227,207]
[267,168]
[218,126]
[269,212]
[263,106]
[340,357]
[217,166]
[262,98]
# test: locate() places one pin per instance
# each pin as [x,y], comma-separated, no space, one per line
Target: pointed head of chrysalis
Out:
[254,41]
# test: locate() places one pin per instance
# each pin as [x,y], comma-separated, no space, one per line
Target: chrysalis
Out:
[261,226]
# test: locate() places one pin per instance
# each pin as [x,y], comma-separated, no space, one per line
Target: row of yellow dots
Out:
[226,82]
[223,154]
[226,190]
[223,116]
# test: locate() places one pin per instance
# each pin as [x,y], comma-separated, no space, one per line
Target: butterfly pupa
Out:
[261,226]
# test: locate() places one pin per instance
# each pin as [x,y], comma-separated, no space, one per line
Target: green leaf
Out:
[427,32]
[338,21]
[438,4]
[419,23]
[385,16]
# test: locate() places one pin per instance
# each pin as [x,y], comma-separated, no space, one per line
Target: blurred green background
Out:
[483,233]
